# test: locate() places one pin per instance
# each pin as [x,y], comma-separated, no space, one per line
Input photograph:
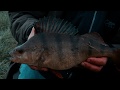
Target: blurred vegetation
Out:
[7,43]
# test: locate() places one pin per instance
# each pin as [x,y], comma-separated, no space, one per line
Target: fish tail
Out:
[116,57]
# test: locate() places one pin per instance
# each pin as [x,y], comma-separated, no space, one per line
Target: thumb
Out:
[32,33]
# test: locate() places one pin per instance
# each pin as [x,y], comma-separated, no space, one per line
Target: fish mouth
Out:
[14,58]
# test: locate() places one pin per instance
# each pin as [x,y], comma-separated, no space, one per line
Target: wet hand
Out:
[94,64]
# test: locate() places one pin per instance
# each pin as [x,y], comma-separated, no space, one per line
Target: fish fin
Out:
[95,36]
[116,57]
[37,27]
[55,25]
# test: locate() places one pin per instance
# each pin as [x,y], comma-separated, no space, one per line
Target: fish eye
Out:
[19,50]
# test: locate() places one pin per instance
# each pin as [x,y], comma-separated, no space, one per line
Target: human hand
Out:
[32,33]
[94,64]
[34,67]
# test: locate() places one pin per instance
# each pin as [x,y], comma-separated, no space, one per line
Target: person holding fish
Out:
[63,45]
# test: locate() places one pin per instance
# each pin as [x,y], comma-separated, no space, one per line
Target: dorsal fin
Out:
[55,25]
[95,36]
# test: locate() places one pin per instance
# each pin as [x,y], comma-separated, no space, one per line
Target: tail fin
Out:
[116,57]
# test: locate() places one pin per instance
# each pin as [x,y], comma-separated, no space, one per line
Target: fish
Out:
[58,46]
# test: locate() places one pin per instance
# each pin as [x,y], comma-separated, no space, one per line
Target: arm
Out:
[22,23]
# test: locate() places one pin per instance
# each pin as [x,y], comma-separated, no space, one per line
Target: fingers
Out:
[94,64]
[36,68]
[97,61]
[92,67]
[32,33]
[44,69]
[33,67]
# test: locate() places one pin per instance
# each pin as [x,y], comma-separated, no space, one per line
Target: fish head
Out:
[28,53]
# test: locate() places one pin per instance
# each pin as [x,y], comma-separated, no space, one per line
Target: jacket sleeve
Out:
[22,23]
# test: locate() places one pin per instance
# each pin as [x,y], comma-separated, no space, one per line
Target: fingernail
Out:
[88,60]
[83,63]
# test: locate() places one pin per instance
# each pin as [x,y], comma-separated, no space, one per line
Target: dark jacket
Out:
[105,23]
